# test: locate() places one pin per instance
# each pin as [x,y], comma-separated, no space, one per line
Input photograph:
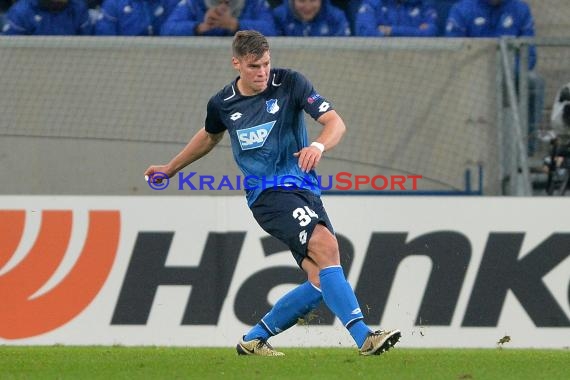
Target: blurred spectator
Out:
[48,17]
[560,115]
[396,18]
[310,18]
[442,7]
[94,7]
[557,164]
[219,18]
[491,18]
[133,17]
[497,18]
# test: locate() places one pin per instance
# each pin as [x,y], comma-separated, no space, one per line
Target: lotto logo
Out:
[324,107]
[254,137]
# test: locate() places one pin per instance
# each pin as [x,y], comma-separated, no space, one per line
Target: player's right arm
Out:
[200,145]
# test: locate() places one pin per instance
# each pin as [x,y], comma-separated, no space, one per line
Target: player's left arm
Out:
[331,134]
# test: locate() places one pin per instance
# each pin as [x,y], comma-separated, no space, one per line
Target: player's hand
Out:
[309,158]
[156,173]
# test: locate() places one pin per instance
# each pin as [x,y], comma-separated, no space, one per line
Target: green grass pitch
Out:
[110,363]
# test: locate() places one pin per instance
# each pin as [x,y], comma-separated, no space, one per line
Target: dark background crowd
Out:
[373,18]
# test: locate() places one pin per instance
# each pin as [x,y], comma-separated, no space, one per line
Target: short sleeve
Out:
[214,122]
[309,99]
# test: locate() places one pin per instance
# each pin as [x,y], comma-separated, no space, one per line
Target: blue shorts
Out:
[290,216]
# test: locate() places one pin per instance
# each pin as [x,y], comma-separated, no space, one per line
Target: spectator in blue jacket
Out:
[396,18]
[310,18]
[494,19]
[48,17]
[133,17]
[219,18]
[491,19]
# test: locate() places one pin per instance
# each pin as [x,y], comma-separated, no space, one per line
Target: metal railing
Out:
[513,104]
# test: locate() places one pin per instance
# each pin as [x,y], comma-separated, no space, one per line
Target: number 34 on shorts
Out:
[304,215]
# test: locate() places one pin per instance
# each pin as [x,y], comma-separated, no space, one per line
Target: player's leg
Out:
[286,311]
[337,292]
[284,314]
[294,304]
[339,295]
[299,220]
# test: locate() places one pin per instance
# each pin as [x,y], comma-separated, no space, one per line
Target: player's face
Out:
[307,9]
[253,73]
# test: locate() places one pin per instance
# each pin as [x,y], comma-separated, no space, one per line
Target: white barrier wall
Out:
[420,106]
[197,271]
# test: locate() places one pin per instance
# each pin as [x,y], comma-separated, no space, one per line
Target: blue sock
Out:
[359,331]
[286,311]
[340,298]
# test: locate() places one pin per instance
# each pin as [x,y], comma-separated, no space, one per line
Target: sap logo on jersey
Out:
[254,137]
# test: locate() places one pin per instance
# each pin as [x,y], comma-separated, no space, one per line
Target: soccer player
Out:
[262,111]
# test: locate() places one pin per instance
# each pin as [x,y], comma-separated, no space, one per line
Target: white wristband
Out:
[319,146]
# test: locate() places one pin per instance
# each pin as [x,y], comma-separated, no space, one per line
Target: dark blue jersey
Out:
[267,129]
